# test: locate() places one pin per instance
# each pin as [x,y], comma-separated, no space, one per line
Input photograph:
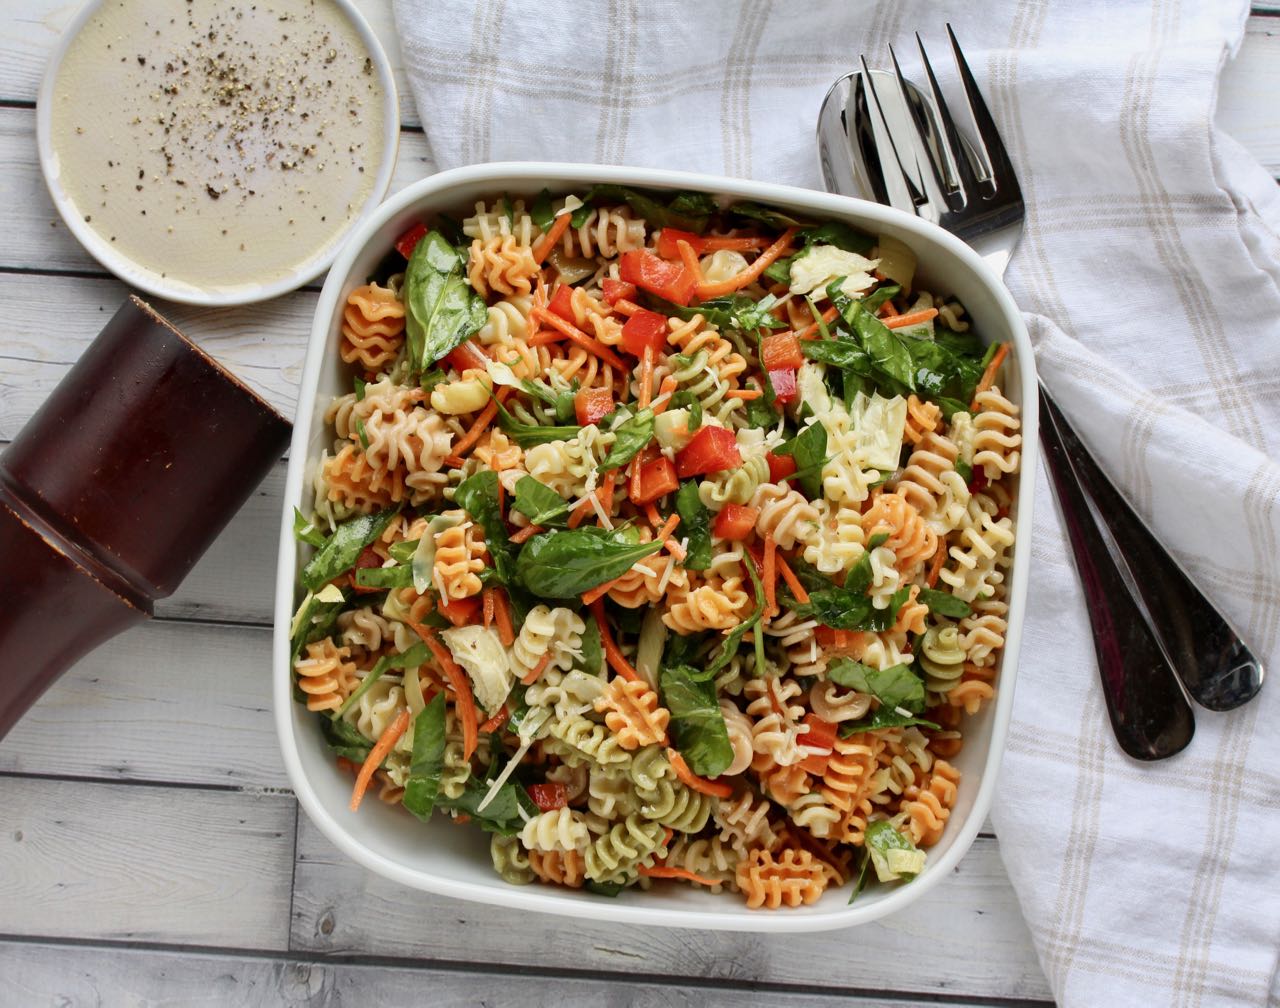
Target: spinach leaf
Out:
[734,311]
[414,657]
[315,619]
[528,435]
[502,814]
[686,211]
[306,531]
[734,637]
[561,403]
[610,889]
[883,717]
[893,855]
[343,548]
[697,726]
[779,271]
[399,576]
[762,412]
[764,214]
[860,882]
[879,296]
[683,649]
[842,609]
[427,762]
[684,399]
[592,658]
[478,495]
[441,309]
[887,350]
[841,353]
[403,551]
[345,740]
[631,437]
[965,470]
[896,686]
[564,564]
[859,577]
[809,449]
[840,235]
[358,384]
[944,603]
[541,212]
[539,503]
[695,523]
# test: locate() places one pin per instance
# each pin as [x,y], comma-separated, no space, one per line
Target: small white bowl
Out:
[444,858]
[170,288]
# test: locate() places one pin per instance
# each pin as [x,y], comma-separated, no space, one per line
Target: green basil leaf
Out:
[631,437]
[427,763]
[478,495]
[305,531]
[441,309]
[944,603]
[896,686]
[564,564]
[528,435]
[542,213]
[767,215]
[697,726]
[345,740]
[501,815]
[884,717]
[685,211]
[888,351]
[413,658]
[399,576]
[734,311]
[840,235]
[343,548]
[695,523]
[539,503]
[809,449]
[843,609]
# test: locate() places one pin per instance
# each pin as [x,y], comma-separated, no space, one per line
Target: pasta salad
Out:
[664,541]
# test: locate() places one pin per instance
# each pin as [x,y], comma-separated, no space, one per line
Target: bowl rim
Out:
[521,176]
[128,270]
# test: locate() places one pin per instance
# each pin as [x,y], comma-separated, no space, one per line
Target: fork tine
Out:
[968,179]
[904,176]
[942,175]
[1003,177]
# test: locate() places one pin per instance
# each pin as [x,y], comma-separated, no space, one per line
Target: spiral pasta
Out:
[632,713]
[501,265]
[459,558]
[372,327]
[325,675]
[793,878]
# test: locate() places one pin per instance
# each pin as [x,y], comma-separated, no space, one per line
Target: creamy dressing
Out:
[218,145]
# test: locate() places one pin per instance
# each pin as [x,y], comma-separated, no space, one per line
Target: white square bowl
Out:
[444,858]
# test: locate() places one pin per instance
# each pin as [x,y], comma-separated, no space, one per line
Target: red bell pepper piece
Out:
[460,612]
[616,290]
[467,355]
[785,387]
[780,467]
[821,735]
[562,303]
[645,329]
[657,477]
[408,241]
[711,449]
[368,558]
[735,522]
[781,351]
[592,404]
[669,236]
[549,796]
[666,279]
[978,481]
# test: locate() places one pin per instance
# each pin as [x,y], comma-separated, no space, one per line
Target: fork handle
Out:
[1214,664]
[1149,712]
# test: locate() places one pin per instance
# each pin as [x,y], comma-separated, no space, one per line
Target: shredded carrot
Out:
[347,765]
[717,789]
[502,616]
[624,307]
[545,338]
[665,391]
[497,721]
[525,533]
[793,582]
[770,576]
[668,871]
[646,376]
[739,244]
[540,300]
[547,242]
[605,493]
[743,393]
[651,512]
[637,484]
[464,702]
[669,526]
[935,565]
[489,606]
[887,310]
[809,331]
[390,735]
[537,670]
[911,318]
[690,259]
[580,513]
[599,591]
[989,375]
[587,343]
[482,422]
[617,660]
[751,273]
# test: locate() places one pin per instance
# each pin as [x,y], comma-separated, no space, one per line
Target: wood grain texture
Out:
[69,977]
[977,944]
[146,864]
[184,703]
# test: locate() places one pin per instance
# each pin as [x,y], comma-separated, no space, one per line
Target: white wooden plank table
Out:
[150,849]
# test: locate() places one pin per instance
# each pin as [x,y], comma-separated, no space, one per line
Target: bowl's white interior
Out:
[445,858]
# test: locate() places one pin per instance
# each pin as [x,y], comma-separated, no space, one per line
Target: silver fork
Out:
[881,136]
